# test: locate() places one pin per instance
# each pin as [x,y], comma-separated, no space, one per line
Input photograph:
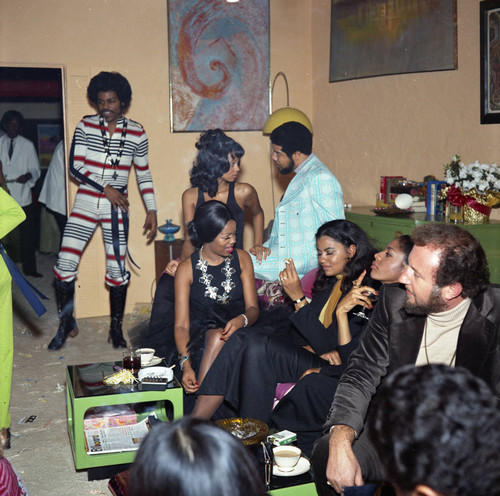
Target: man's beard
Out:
[434,304]
[289,168]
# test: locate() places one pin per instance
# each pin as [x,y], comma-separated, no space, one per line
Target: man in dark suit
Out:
[447,313]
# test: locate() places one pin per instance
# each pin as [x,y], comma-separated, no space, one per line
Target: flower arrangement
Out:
[482,177]
[475,186]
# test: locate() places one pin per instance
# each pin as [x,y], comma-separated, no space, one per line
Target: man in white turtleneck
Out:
[447,313]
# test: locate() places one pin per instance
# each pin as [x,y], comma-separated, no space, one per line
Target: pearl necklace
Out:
[206,279]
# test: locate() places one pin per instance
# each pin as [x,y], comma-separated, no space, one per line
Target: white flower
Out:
[483,177]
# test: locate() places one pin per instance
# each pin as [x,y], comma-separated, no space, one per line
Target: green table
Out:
[299,490]
[383,229]
[85,390]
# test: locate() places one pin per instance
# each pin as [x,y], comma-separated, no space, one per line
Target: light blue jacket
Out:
[313,197]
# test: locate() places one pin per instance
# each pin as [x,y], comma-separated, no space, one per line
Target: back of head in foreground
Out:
[437,432]
[193,457]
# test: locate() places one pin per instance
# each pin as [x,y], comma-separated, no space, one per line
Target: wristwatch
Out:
[300,299]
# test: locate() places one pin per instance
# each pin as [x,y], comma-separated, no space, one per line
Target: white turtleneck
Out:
[441,335]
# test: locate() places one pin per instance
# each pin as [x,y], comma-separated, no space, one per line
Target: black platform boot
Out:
[65,292]
[117,297]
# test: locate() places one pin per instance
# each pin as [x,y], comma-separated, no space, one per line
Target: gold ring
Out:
[355,284]
[285,278]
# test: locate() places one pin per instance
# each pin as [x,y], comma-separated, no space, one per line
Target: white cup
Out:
[286,457]
[147,355]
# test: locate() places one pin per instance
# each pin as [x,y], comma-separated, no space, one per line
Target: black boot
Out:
[117,297]
[65,292]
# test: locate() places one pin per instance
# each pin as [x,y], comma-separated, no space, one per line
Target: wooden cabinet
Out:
[381,230]
[164,252]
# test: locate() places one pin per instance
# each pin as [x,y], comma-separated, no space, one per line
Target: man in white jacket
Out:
[21,169]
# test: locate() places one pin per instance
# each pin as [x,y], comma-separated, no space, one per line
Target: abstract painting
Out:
[381,37]
[219,64]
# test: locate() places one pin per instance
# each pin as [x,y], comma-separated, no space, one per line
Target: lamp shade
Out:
[286,114]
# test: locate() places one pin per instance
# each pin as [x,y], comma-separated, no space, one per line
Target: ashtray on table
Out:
[249,431]
[155,378]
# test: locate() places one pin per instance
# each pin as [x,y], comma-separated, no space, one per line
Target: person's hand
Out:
[24,178]
[356,297]
[189,382]
[171,267]
[260,252]
[332,357]
[343,468]
[150,225]
[290,280]
[309,371]
[233,325]
[117,199]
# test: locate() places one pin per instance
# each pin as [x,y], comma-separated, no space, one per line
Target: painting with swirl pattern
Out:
[219,64]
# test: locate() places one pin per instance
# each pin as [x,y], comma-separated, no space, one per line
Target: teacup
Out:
[147,355]
[286,457]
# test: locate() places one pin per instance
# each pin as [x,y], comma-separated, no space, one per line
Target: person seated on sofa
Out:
[253,361]
[213,177]
[192,457]
[436,430]
[305,408]
[214,292]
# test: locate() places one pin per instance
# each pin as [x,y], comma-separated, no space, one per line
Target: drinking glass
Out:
[373,298]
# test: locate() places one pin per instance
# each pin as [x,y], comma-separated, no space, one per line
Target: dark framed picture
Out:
[378,38]
[490,61]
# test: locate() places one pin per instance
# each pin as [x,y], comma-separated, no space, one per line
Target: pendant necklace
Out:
[425,348]
[107,145]
[206,279]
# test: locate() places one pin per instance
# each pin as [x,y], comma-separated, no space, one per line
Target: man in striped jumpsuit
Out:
[103,150]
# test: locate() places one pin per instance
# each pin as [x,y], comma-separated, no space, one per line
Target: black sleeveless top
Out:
[236,212]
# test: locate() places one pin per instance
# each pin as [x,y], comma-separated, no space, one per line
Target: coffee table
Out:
[85,389]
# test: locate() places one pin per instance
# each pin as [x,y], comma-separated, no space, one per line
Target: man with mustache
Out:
[104,148]
[447,313]
[313,197]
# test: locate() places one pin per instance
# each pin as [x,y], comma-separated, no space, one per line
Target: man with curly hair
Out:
[436,430]
[103,150]
[448,313]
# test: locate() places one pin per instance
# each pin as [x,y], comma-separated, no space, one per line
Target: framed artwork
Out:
[219,64]
[48,137]
[490,61]
[381,37]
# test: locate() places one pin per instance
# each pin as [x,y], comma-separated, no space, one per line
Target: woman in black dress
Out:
[214,292]
[305,408]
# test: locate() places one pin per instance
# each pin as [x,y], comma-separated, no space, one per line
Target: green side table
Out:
[381,230]
[299,490]
[85,390]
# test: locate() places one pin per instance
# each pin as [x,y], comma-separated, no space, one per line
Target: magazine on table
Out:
[114,439]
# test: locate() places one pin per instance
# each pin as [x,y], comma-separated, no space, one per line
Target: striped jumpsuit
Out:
[92,167]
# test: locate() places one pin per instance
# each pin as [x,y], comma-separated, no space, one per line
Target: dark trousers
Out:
[28,242]
[368,459]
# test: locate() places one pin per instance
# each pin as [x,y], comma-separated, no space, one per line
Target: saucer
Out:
[303,465]
[154,361]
